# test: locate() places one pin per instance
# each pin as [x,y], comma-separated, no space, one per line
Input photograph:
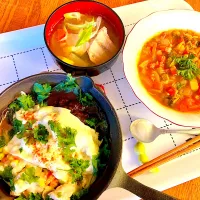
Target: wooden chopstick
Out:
[168,156]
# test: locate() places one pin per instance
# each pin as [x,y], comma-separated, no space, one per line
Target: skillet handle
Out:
[121,179]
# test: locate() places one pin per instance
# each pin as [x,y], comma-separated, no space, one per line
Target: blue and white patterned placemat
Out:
[23,53]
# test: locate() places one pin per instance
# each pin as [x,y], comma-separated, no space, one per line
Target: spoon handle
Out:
[186,131]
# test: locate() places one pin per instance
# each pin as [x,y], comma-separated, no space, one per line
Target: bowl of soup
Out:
[84,37]
[162,65]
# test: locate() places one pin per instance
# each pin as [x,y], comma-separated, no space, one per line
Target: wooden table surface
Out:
[17,14]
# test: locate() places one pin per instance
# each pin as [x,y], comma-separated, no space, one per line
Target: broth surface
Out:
[84,40]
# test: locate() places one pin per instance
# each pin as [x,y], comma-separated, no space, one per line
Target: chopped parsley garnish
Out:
[66,136]
[79,194]
[29,175]
[92,122]
[95,123]
[78,166]
[31,196]
[20,149]
[66,139]
[99,161]
[69,85]
[41,133]
[85,98]
[7,176]
[186,67]
[14,106]
[26,101]
[42,91]
[2,141]
[18,128]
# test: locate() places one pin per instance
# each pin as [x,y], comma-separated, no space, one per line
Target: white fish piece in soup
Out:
[102,47]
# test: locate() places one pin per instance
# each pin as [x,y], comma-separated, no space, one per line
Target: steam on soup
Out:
[169,68]
[84,40]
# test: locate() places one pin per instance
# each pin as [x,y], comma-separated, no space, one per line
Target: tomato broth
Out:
[169,68]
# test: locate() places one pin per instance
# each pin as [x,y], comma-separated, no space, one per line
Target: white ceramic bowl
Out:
[144,30]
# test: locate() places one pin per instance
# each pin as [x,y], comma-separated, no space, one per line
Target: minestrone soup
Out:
[84,40]
[169,68]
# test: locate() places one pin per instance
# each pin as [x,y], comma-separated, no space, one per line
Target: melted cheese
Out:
[50,155]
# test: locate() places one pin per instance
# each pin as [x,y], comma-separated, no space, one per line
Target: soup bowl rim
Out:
[80,67]
[176,117]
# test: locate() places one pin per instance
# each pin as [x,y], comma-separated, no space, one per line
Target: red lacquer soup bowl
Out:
[90,8]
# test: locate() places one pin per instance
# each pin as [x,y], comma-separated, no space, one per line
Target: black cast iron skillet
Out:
[114,175]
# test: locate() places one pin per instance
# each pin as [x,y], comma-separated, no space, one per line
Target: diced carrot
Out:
[159,53]
[152,65]
[161,58]
[173,70]
[158,85]
[154,51]
[60,33]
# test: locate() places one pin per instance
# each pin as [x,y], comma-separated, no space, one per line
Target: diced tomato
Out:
[181,39]
[159,53]
[152,65]
[161,58]
[173,70]
[171,91]
[185,52]
[157,85]
[162,65]
[60,33]
[198,91]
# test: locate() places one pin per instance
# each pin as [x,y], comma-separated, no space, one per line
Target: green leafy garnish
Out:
[95,123]
[29,175]
[14,106]
[2,141]
[78,166]
[79,194]
[7,176]
[41,133]
[92,122]
[85,99]
[186,67]
[66,139]
[69,85]
[26,101]
[42,91]
[31,196]
[85,34]
[66,136]
[48,198]
[18,128]
[20,149]
[99,161]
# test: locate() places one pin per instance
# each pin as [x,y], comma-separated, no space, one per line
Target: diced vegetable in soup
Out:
[84,40]
[169,68]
